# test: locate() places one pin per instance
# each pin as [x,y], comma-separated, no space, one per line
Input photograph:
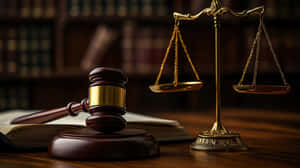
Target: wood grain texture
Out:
[86,144]
[272,136]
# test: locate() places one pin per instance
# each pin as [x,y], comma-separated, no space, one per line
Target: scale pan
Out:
[181,87]
[262,89]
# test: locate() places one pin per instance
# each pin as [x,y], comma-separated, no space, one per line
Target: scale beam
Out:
[258,11]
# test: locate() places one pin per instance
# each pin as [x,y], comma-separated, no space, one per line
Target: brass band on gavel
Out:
[107,95]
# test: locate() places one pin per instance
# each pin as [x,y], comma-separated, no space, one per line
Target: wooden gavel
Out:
[106,103]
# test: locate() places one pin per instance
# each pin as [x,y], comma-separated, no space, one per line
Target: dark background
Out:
[71,36]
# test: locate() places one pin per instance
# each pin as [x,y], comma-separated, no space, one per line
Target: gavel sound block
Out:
[106,136]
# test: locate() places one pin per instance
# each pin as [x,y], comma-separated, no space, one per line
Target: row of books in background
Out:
[118,8]
[28,8]
[143,48]
[14,97]
[273,8]
[26,49]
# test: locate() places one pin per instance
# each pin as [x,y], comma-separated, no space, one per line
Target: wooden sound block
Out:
[87,144]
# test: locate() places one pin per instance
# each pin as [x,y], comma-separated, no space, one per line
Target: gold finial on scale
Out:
[219,138]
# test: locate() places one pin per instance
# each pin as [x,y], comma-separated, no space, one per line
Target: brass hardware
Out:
[180,87]
[262,89]
[107,95]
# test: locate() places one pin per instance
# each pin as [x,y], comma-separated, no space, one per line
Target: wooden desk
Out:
[273,138]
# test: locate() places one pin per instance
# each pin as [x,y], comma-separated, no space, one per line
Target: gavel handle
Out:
[72,108]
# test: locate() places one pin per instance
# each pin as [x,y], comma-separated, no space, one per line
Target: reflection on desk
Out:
[272,136]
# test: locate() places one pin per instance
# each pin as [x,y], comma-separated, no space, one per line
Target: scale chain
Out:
[175,35]
[257,53]
[274,54]
[176,58]
[250,57]
[188,56]
[166,56]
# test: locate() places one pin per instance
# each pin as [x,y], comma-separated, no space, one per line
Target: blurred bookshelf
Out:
[47,48]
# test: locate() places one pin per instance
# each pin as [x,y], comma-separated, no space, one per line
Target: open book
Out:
[29,136]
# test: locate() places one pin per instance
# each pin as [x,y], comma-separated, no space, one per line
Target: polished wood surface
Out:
[86,144]
[273,138]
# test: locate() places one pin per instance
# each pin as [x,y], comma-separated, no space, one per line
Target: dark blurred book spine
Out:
[23,98]
[45,48]
[2,53]
[128,44]
[287,51]
[296,47]
[74,8]
[161,8]
[143,50]
[26,6]
[110,6]
[159,45]
[50,8]
[283,9]
[133,6]
[229,49]
[3,98]
[86,8]
[99,7]
[270,8]
[11,50]
[12,97]
[122,7]
[296,8]
[23,51]
[146,8]
[3,8]
[12,8]
[37,11]
[34,52]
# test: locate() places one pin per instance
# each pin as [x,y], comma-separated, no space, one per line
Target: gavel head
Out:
[107,100]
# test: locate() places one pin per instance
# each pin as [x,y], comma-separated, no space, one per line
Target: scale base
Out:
[219,139]
[226,142]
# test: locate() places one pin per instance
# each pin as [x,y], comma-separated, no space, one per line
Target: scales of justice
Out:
[219,138]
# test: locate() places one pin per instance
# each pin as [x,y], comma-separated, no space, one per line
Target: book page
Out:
[6,117]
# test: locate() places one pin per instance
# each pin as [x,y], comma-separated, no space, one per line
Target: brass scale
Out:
[219,138]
